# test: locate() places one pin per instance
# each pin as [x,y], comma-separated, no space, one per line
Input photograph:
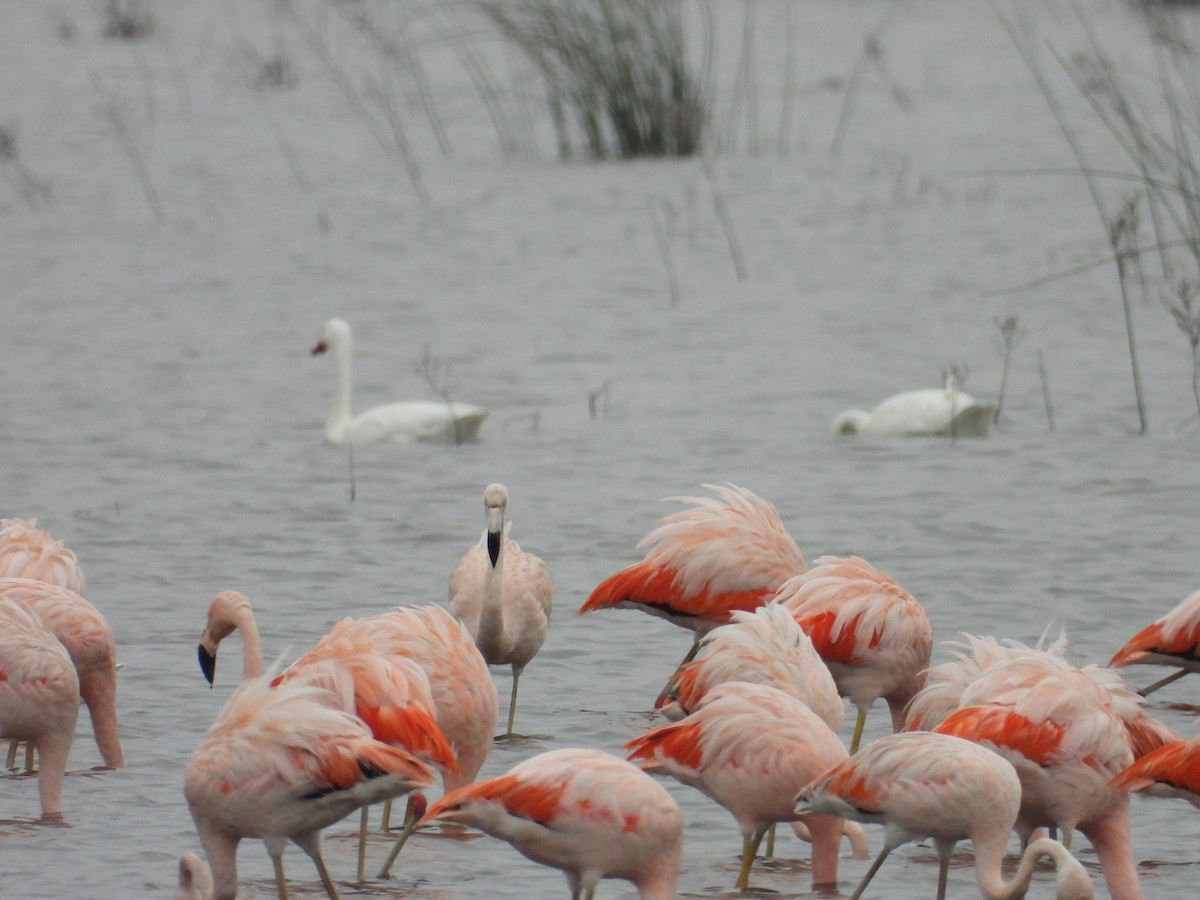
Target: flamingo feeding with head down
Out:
[926,785]
[872,633]
[586,812]
[1173,640]
[409,420]
[728,552]
[39,697]
[948,411]
[1068,732]
[750,748]
[89,641]
[282,763]
[503,595]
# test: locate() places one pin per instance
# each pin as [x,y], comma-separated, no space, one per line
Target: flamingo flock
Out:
[1001,741]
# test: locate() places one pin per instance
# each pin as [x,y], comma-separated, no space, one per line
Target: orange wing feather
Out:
[1036,741]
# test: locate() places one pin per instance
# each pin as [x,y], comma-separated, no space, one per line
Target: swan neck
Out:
[339,411]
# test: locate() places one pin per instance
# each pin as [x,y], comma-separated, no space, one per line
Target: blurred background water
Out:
[160,412]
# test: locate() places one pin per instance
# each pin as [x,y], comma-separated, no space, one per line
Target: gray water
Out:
[159,410]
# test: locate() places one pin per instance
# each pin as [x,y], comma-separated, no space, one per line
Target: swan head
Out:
[849,422]
[334,334]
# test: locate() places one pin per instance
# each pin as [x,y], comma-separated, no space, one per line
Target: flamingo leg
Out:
[330,889]
[1162,682]
[29,756]
[280,880]
[410,825]
[859,723]
[386,824]
[11,762]
[862,885]
[749,850]
[770,851]
[362,842]
[512,703]
[665,694]
[943,873]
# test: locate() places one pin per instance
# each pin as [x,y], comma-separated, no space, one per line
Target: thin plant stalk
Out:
[1045,390]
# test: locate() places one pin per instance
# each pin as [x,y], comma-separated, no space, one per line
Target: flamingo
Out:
[1068,732]
[948,411]
[750,748]
[392,692]
[766,646]
[408,420]
[27,551]
[872,633]
[589,813]
[1173,770]
[1173,640]
[923,784]
[503,595]
[283,763]
[728,552]
[39,697]
[85,634]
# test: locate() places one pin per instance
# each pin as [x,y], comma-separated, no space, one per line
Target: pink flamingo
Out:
[588,813]
[919,785]
[27,551]
[283,763]
[195,879]
[1173,770]
[39,697]
[411,420]
[874,636]
[1068,733]
[750,748]
[1173,640]
[503,595]
[90,643]
[728,552]
[391,692]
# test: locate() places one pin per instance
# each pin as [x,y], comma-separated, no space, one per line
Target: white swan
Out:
[408,420]
[948,410]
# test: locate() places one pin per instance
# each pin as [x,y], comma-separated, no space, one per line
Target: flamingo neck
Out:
[98,689]
[338,421]
[251,645]
[1072,883]
[1110,838]
[491,616]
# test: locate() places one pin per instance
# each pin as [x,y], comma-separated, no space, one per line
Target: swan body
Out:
[929,412]
[403,421]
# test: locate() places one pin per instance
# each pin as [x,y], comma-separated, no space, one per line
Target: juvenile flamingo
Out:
[1068,732]
[27,551]
[411,420]
[283,763]
[925,785]
[39,697]
[872,633]
[750,748]
[728,552]
[585,812]
[1173,640]
[948,411]
[90,643]
[503,595]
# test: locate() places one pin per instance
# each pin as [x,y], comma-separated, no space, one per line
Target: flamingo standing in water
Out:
[39,697]
[89,641]
[588,813]
[872,633]
[411,420]
[503,595]
[1068,732]
[27,551]
[283,763]
[1173,640]
[728,552]
[750,748]
[393,691]
[926,785]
